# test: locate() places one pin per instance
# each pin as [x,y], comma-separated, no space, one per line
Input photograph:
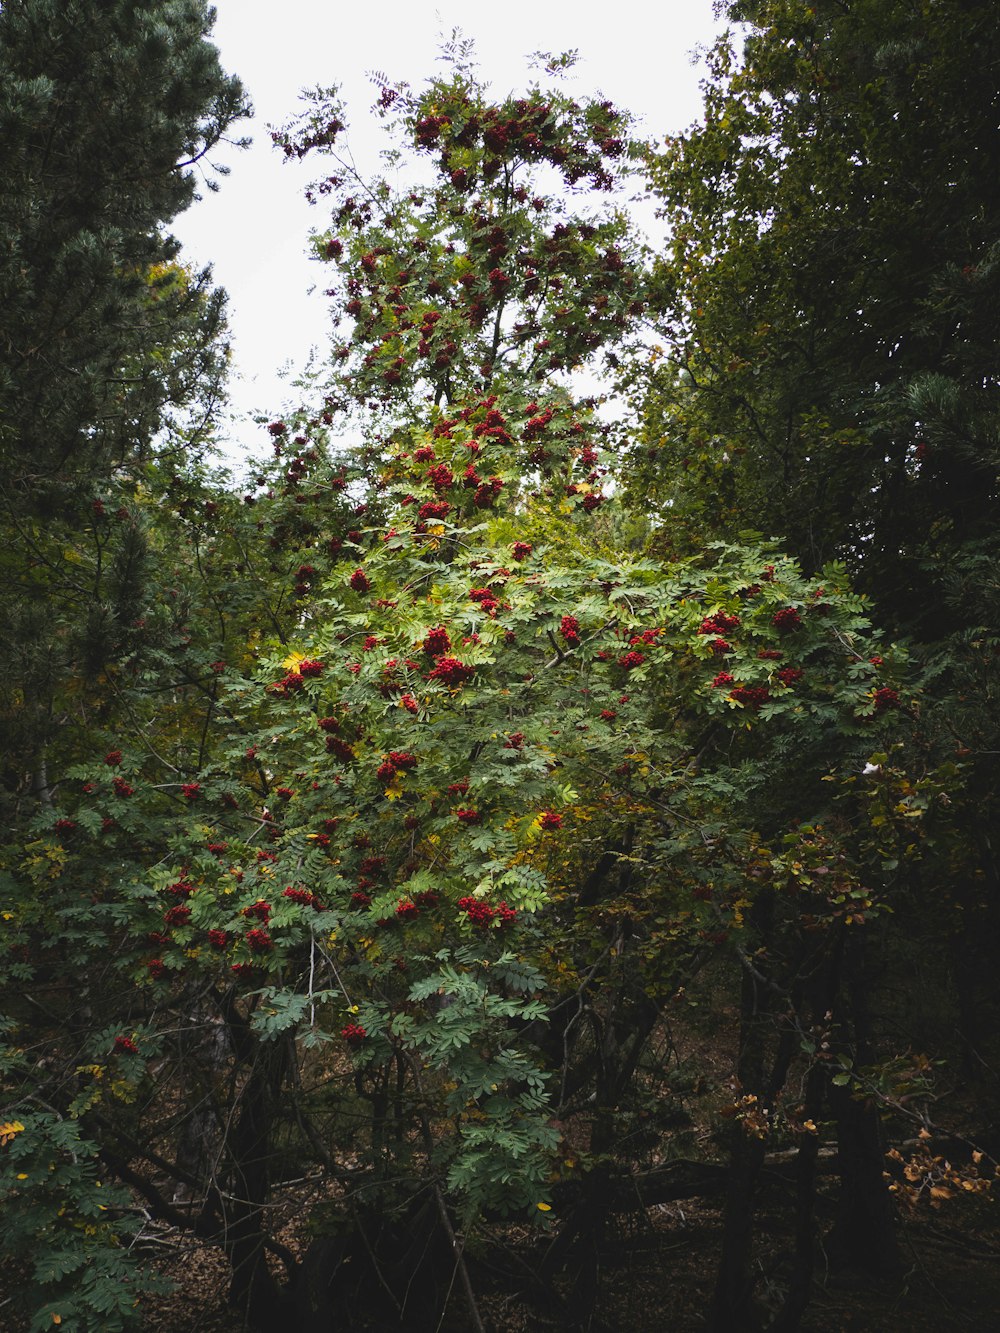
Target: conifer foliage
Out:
[108,116]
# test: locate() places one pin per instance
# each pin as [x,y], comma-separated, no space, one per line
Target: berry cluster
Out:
[482,915]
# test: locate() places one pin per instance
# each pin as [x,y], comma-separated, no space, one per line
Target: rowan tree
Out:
[432,797]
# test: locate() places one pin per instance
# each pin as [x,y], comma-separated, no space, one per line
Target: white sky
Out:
[254,230]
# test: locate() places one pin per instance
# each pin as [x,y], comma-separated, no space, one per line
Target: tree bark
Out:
[863,1234]
[253,1292]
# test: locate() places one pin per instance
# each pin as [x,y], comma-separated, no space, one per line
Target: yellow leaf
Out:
[544,1207]
[292,661]
[8,1130]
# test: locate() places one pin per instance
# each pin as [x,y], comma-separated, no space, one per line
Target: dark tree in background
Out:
[830,289]
[828,305]
[108,347]
[108,113]
[829,300]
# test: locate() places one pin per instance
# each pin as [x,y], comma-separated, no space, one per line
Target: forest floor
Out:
[657,1275]
[656,1268]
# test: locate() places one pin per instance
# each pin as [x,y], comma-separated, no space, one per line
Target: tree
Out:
[426,794]
[109,348]
[821,337]
[107,115]
[109,351]
[830,377]
[827,378]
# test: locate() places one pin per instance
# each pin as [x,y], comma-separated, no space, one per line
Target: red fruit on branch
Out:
[450,671]
[787,619]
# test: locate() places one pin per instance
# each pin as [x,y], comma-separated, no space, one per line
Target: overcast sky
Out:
[254,230]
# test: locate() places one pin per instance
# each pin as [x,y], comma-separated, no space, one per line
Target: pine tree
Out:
[829,302]
[828,294]
[107,116]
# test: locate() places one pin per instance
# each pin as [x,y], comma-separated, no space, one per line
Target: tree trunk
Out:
[732,1304]
[863,1235]
[253,1292]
